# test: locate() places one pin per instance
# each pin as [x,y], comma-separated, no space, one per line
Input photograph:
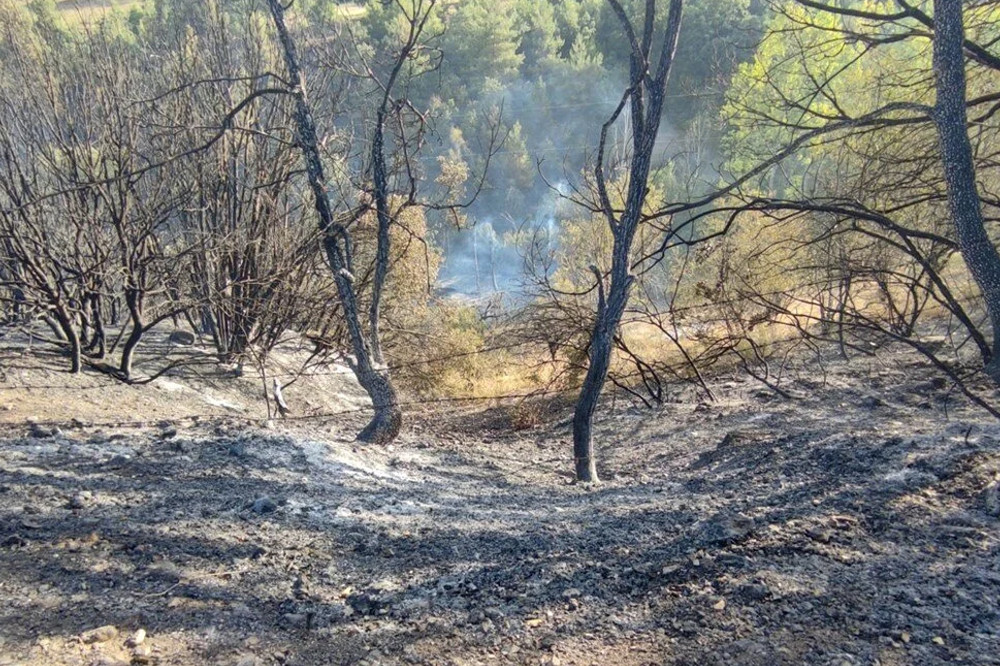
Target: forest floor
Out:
[855,525]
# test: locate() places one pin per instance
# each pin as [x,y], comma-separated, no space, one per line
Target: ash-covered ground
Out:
[857,524]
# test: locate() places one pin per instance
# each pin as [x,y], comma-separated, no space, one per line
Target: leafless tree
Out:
[644,99]
[951,120]
[367,363]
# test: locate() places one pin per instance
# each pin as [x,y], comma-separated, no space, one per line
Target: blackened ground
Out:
[856,525]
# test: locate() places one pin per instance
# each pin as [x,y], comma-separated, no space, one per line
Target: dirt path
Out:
[855,527]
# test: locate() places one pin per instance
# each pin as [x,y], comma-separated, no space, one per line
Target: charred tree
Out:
[372,374]
[644,98]
[964,203]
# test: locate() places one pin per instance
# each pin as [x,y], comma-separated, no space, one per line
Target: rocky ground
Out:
[855,525]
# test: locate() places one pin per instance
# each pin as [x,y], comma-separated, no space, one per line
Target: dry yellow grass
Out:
[351,11]
[501,373]
[87,11]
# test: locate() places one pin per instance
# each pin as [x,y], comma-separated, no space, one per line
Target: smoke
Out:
[480,261]
[556,121]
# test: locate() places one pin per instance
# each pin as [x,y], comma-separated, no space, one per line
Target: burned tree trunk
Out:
[381,187]
[98,339]
[133,299]
[609,314]
[65,321]
[380,173]
[372,375]
[950,118]
[644,97]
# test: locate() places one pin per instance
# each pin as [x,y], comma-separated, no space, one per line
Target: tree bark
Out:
[65,321]
[381,185]
[388,419]
[645,96]
[373,376]
[99,339]
[609,314]
[950,118]
[56,327]
[133,299]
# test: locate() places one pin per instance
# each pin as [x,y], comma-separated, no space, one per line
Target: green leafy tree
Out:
[538,40]
[480,47]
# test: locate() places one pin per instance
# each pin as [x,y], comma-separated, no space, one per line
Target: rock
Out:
[100,634]
[991,499]
[819,534]
[670,569]
[298,620]
[13,541]
[754,591]
[747,652]
[448,584]
[571,593]
[80,500]
[179,337]
[264,505]
[494,614]
[118,460]
[872,402]
[687,628]
[142,654]
[136,639]
[365,604]
[724,529]
[39,431]
[719,605]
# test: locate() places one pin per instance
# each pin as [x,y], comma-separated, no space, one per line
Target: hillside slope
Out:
[858,525]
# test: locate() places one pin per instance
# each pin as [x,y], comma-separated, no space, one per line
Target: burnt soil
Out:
[856,524]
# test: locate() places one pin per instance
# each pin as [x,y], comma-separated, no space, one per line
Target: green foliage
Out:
[576,22]
[717,36]
[539,36]
[48,21]
[480,47]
